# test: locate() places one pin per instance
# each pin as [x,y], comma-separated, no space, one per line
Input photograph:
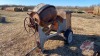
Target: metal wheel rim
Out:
[25,26]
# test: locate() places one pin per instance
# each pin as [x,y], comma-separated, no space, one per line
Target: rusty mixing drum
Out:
[44,15]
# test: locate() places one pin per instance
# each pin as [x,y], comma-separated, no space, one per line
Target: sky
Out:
[52,2]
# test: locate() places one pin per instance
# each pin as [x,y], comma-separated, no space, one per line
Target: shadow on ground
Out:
[5,22]
[73,49]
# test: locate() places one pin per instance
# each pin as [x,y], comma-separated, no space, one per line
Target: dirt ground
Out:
[14,41]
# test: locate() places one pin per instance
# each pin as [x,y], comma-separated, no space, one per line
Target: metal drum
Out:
[47,13]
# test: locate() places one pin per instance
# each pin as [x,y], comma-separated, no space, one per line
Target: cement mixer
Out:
[45,20]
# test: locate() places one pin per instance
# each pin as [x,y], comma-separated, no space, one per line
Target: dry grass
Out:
[16,9]
[97,10]
[14,41]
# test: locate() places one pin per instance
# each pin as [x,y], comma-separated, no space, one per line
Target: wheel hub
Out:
[70,37]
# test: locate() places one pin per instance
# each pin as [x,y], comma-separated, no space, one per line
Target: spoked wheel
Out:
[68,34]
[29,30]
